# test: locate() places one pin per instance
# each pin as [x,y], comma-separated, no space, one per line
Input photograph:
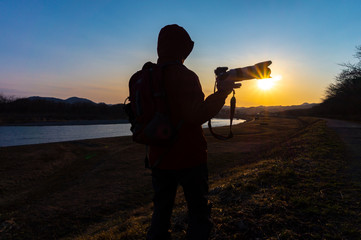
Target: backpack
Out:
[148,110]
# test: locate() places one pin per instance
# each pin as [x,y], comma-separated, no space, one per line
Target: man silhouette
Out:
[185,162]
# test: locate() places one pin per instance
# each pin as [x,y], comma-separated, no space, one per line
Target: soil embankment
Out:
[278,177]
[58,189]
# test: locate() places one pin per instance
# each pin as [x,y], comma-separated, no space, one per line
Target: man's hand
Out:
[227,84]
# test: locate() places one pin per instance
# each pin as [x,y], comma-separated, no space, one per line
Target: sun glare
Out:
[268,83]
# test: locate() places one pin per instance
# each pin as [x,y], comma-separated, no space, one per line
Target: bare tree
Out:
[344,96]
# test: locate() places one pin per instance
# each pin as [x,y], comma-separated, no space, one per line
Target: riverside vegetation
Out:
[278,178]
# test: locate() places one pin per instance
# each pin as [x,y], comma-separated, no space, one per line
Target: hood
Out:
[174,43]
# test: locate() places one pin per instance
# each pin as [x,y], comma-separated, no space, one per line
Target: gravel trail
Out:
[350,133]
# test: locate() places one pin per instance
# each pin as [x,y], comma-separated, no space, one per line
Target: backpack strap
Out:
[231,115]
[163,93]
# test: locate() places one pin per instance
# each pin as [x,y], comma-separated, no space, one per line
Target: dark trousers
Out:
[194,182]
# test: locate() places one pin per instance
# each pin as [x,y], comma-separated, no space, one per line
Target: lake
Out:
[24,135]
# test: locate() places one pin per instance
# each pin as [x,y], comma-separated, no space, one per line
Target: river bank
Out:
[85,122]
[66,123]
[24,135]
[96,189]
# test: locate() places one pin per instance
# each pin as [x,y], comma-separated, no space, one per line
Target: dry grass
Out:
[99,189]
[300,190]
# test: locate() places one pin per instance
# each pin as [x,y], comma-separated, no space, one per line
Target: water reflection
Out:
[23,135]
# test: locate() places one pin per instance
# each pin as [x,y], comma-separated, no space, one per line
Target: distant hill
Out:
[70,100]
[50,109]
[251,111]
[272,109]
[239,110]
[53,110]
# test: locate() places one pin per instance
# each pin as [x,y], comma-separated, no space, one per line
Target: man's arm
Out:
[189,100]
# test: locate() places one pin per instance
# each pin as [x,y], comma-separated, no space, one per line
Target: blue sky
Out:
[91,48]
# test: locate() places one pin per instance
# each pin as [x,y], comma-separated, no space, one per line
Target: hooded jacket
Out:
[186,103]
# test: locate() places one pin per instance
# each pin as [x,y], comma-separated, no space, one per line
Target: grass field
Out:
[278,178]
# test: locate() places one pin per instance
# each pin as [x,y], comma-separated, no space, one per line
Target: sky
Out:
[91,48]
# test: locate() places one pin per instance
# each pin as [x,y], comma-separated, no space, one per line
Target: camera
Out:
[258,71]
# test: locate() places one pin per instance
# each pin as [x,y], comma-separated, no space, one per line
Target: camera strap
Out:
[231,115]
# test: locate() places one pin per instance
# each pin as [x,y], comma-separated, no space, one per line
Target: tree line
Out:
[343,97]
[24,110]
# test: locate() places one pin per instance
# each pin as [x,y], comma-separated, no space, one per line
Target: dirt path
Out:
[350,133]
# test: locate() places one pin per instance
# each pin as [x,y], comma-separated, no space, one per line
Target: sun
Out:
[265,84]
[268,83]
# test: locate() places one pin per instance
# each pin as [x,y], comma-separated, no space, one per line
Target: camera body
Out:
[257,71]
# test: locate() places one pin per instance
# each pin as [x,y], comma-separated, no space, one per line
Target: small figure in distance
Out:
[184,163]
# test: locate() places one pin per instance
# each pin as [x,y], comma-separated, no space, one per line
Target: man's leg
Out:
[195,186]
[165,189]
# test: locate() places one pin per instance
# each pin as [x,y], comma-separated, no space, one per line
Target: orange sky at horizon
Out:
[113,86]
[287,91]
